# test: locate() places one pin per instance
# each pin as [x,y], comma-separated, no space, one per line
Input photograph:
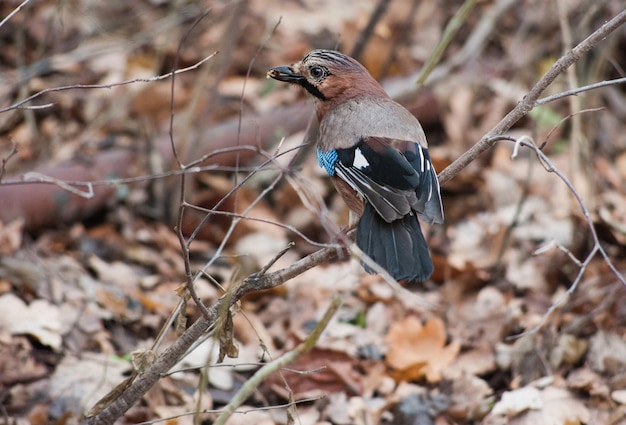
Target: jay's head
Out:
[330,77]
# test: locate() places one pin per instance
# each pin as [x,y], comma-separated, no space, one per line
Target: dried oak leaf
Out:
[319,372]
[417,350]
[529,406]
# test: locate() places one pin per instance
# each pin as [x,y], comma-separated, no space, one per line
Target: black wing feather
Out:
[394,176]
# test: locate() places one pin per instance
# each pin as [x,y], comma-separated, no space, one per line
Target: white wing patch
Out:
[360,161]
[419,149]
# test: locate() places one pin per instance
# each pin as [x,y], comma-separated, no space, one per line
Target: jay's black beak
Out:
[286,74]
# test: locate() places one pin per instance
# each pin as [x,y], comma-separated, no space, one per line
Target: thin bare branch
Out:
[166,360]
[366,34]
[451,29]
[11,154]
[191,289]
[527,142]
[243,412]
[253,382]
[34,176]
[14,12]
[528,102]
[266,221]
[104,86]
[574,92]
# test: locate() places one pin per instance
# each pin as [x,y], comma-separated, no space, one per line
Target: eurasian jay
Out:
[376,154]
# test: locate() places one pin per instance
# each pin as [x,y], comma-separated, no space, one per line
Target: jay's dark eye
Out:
[317,72]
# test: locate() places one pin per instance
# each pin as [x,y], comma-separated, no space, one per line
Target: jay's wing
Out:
[394,176]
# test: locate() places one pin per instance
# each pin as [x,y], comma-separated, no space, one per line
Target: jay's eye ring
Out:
[317,72]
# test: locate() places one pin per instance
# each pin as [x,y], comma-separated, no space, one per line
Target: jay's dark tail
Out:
[399,247]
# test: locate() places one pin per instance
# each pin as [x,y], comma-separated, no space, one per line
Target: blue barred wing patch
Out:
[327,160]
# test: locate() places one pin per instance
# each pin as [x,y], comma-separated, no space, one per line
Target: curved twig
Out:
[528,102]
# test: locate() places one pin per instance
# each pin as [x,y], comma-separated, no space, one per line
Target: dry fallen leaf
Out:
[517,401]
[499,210]
[18,362]
[39,319]
[11,236]
[81,382]
[318,372]
[417,351]
[568,350]
[470,398]
[607,352]
[585,380]
[480,321]
[550,406]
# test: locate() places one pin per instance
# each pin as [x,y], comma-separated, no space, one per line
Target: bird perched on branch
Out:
[376,153]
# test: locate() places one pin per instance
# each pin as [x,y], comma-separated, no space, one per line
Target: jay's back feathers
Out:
[373,148]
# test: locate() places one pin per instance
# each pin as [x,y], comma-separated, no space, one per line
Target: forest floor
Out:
[523,321]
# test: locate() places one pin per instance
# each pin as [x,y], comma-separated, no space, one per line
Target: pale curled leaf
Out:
[417,350]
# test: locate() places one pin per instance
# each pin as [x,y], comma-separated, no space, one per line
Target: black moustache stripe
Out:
[313,90]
